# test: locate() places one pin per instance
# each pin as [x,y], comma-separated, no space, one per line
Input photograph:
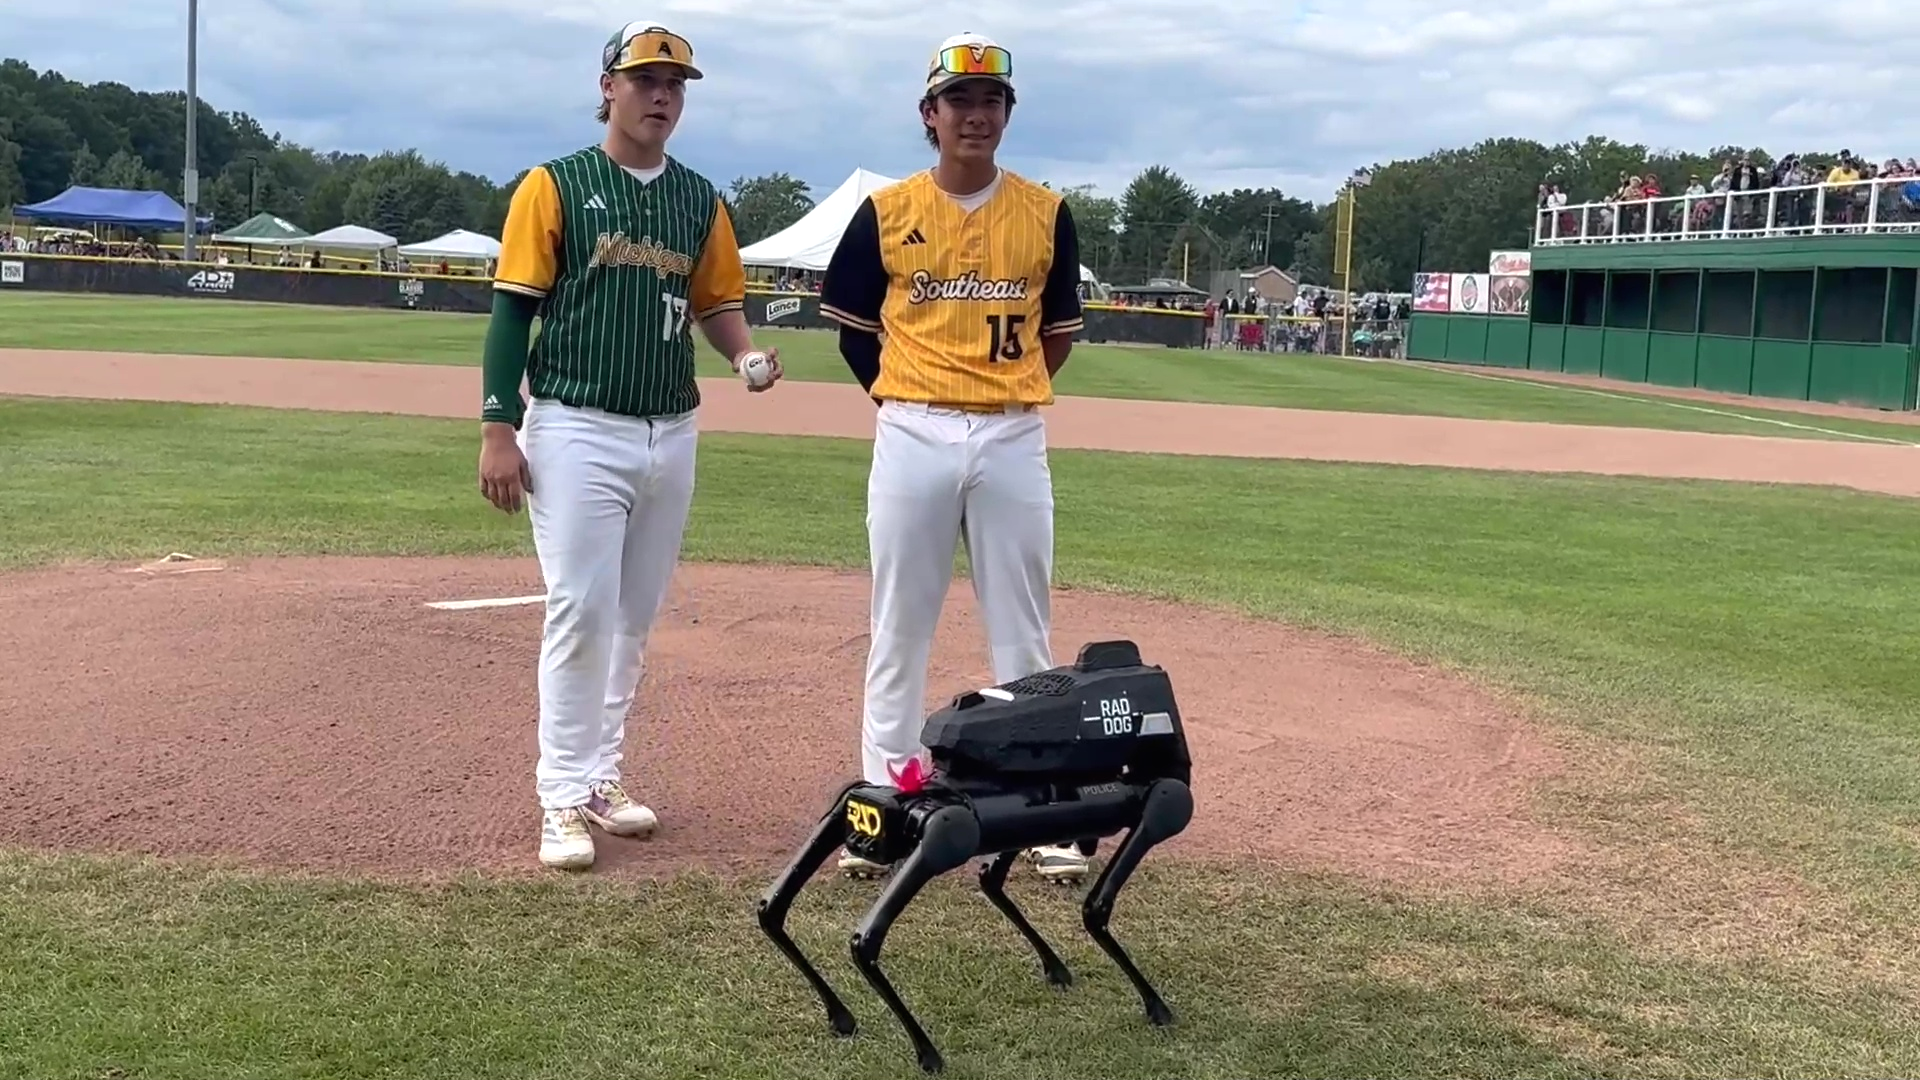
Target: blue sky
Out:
[1227,92]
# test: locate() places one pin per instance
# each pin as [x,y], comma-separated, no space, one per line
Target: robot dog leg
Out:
[778,900]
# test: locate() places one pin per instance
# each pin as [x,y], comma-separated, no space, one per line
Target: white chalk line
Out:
[1654,400]
[490,602]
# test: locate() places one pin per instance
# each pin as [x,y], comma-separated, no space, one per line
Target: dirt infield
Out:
[1678,393]
[799,408]
[315,714]
[308,713]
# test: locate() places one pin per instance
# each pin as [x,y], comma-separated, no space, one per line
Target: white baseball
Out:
[756,368]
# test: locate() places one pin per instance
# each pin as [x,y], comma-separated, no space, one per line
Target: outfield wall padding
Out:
[1623,355]
[1468,339]
[1546,347]
[1870,375]
[1860,374]
[1507,341]
[1671,358]
[1585,350]
[1781,369]
[472,295]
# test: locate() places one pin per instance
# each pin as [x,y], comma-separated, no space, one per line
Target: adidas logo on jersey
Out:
[595,202]
[913,238]
[968,286]
[492,402]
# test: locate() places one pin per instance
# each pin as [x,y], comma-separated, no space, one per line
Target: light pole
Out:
[190,183]
[1343,243]
[1266,247]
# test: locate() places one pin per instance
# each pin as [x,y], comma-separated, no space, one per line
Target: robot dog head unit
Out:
[1065,756]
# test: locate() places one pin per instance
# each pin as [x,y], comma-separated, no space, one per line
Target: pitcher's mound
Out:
[316,713]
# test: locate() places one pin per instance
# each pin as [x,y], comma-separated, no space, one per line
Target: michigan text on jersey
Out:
[615,249]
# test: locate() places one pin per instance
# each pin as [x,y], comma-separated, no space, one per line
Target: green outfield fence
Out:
[459,293]
[1832,318]
[1874,374]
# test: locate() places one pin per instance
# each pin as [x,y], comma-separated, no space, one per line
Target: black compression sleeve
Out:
[861,351]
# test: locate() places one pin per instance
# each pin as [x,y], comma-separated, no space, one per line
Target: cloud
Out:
[1227,92]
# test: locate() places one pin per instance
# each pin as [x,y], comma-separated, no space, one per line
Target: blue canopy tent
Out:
[110,206]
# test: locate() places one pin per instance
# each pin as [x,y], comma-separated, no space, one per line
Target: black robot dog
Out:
[1069,755]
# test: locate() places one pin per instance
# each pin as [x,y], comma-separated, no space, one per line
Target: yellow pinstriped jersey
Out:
[961,297]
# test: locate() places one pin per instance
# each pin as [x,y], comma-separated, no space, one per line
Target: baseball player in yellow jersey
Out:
[613,247]
[969,273]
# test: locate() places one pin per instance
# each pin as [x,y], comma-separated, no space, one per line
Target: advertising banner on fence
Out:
[472,295]
[1512,294]
[1432,292]
[1510,262]
[1469,294]
[259,283]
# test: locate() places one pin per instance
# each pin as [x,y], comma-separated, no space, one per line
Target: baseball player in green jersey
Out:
[618,249]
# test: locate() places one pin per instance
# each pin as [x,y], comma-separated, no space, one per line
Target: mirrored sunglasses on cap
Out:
[654,45]
[956,61]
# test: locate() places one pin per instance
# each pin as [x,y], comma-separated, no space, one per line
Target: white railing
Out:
[1864,206]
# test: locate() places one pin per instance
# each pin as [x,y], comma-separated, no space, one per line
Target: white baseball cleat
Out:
[565,841]
[609,807]
[1061,865]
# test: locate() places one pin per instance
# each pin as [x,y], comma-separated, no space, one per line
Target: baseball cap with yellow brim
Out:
[639,44]
[969,56]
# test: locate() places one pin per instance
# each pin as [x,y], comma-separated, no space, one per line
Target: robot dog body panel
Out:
[883,825]
[1073,726]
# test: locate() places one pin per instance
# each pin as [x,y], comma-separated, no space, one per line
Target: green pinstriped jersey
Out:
[630,277]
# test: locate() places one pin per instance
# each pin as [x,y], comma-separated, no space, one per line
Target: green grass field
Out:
[61,321]
[1731,665]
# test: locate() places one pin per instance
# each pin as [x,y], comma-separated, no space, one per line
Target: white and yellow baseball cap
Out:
[969,56]
[640,43]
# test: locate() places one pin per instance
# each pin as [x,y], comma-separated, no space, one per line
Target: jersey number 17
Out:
[1004,331]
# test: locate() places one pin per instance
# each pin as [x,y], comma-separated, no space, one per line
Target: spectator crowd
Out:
[76,242]
[1792,197]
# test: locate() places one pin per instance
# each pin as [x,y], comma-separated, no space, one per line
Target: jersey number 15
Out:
[1004,331]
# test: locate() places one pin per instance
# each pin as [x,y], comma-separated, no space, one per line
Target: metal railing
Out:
[1890,205]
[1365,336]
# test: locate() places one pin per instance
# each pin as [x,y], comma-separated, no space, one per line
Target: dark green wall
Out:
[1671,358]
[1547,348]
[1788,322]
[1496,340]
[1725,364]
[1507,340]
[1871,375]
[1623,355]
[1862,373]
[1584,350]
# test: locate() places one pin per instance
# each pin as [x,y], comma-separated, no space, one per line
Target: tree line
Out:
[1443,211]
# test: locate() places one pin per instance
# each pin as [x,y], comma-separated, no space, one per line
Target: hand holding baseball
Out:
[760,369]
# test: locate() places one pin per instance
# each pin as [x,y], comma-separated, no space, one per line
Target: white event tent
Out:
[350,237]
[458,244]
[808,244]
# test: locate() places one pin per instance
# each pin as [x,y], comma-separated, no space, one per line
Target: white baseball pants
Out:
[609,508]
[940,478]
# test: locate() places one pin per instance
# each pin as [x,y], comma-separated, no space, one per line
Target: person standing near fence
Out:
[618,249]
